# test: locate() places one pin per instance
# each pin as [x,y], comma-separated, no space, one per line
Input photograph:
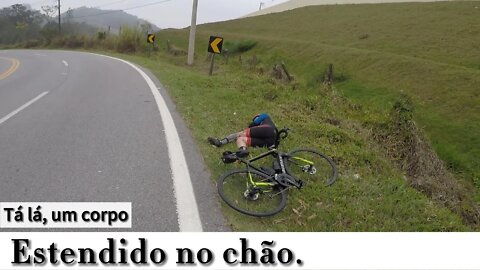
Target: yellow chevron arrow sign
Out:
[151,38]
[215,44]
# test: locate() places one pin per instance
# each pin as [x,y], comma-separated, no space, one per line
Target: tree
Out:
[19,23]
[49,11]
[69,16]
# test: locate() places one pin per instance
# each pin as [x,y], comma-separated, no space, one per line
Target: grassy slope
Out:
[380,201]
[425,50]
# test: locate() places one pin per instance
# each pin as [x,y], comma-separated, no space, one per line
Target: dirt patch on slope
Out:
[408,148]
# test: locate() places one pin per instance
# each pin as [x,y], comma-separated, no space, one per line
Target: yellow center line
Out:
[12,69]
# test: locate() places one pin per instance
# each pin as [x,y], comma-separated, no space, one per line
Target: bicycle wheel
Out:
[311,166]
[261,200]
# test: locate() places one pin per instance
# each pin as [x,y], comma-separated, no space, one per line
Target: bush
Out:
[58,42]
[109,43]
[101,35]
[32,44]
[241,46]
[74,42]
[89,43]
[128,40]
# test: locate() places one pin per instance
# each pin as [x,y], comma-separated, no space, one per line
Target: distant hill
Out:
[104,19]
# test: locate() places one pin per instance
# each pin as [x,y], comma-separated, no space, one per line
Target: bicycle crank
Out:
[286,180]
[251,195]
[310,169]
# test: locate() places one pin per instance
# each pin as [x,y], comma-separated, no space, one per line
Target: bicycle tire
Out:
[299,165]
[232,188]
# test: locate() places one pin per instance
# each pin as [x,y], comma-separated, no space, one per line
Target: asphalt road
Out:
[78,127]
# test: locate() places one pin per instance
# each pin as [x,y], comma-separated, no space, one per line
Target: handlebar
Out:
[283,133]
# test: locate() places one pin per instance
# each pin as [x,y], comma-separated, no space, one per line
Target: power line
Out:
[111,3]
[114,11]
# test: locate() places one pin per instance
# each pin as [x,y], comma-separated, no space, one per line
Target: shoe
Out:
[242,153]
[214,141]
[229,157]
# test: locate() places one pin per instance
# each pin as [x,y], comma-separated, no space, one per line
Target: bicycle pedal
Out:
[301,184]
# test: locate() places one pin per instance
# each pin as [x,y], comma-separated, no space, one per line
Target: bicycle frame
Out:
[273,152]
[276,154]
[293,169]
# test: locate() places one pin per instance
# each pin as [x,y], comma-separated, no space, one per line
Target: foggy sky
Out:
[172,14]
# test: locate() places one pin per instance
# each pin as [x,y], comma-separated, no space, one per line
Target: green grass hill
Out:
[426,53]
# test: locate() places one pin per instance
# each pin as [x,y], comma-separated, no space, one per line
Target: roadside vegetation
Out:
[401,117]
[22,27]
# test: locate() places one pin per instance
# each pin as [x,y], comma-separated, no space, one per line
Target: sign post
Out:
[214,47]
[150,40]
[212,62]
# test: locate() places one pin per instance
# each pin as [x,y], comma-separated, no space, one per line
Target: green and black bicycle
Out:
[262,191]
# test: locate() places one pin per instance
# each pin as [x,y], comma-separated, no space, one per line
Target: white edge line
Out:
[187,209]
[65,63]
[10,115]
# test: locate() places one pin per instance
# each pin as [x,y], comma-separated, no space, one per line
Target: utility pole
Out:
[193,28]
[59,20]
